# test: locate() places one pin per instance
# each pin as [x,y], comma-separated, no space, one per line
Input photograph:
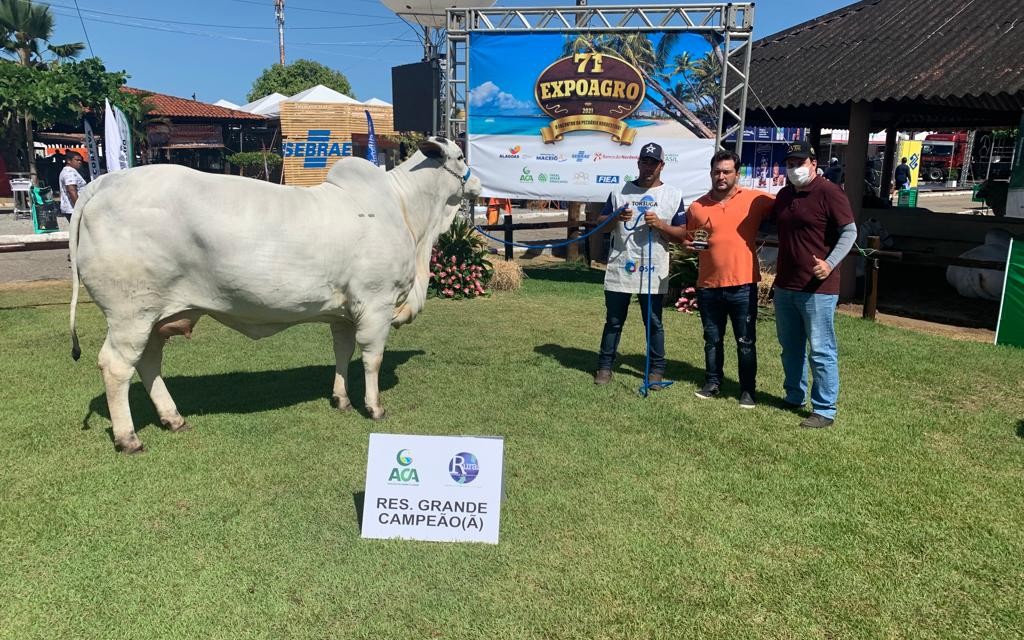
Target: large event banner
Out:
[550,119]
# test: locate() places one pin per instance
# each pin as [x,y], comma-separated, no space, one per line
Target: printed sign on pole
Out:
[911,150]
[435,488]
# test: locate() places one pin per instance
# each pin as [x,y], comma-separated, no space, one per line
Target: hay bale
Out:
[508,275]
[764,288]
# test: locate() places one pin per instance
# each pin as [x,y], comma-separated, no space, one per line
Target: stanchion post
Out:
[508,236]
[572,252]
[871,280]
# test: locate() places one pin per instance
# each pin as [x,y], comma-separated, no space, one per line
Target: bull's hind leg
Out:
[372,335]
[344,344]
[120,352]
[149,371]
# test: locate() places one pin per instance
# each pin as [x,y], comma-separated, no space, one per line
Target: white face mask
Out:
[801,176]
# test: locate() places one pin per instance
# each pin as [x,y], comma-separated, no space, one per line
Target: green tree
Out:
[58,94]
[25,32]
[296,77]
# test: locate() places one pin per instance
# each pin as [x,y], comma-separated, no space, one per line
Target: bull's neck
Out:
[425,218]
[420,209]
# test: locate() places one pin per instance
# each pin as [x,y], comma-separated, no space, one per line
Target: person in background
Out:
[834,173]
[71,183]
[816,230]
[629,263]
[901,177]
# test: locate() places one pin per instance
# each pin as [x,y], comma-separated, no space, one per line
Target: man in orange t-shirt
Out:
[722,225]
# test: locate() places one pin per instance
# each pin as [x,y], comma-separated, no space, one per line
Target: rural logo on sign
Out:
[463,467]
[589,92]
[316,149]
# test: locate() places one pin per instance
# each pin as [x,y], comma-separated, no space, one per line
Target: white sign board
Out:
[436,488]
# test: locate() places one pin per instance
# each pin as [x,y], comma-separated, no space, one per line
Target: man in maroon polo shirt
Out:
[816,231]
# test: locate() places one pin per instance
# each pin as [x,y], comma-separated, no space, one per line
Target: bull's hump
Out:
[352,172]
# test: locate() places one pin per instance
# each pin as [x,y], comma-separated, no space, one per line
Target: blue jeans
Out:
[801,318]
[739,305]
[617,306]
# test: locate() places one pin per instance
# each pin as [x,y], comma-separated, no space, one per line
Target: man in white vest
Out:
[641,207]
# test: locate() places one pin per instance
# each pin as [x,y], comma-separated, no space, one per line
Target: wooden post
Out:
[572,251]
[508,236]
[871,280]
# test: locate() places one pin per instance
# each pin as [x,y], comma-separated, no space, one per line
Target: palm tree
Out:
[636,49]
[25,32]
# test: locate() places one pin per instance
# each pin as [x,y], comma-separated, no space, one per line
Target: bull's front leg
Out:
[372,334]
[344,344]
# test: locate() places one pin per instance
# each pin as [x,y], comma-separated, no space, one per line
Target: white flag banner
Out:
[115,146]
[94,158]
[126,136]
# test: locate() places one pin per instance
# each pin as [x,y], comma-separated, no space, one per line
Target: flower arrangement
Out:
[458,263]
[687,302]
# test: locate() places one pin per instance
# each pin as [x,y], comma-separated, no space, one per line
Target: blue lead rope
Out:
[646,387]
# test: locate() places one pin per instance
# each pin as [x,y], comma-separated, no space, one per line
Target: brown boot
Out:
[603,376]
[654,381]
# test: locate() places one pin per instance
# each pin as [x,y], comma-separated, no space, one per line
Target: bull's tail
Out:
[73,232]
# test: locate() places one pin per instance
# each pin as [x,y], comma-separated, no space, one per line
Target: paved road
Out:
[53,265]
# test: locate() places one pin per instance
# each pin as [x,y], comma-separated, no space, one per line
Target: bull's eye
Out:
[461,158]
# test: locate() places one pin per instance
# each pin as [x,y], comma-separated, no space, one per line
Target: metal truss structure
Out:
[731,24]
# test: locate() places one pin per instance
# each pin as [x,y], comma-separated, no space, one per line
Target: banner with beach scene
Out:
[562,116]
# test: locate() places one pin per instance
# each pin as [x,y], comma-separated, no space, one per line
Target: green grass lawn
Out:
[669,517]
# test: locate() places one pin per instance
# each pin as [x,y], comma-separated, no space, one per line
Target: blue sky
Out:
[216,48]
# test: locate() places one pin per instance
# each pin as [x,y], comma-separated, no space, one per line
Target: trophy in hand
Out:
[700,238]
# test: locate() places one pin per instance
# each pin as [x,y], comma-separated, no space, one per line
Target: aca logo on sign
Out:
[404,472]
[463,468]
[526,177]
[607,179]
[316,149]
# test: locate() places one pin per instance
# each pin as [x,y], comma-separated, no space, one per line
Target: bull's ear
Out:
[432,149]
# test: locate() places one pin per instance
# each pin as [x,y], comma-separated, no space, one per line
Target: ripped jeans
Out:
[739,305]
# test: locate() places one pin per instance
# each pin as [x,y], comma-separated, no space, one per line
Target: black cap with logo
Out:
[800,149]
[651,150]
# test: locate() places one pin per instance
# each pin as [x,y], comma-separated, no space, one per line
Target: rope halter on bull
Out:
[646,386]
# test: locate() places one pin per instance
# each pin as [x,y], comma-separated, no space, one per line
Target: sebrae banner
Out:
[558,116]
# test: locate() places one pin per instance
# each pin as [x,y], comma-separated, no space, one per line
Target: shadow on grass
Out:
[358,499]
[565,273]
[1020,429]
[251,391]
[633,364]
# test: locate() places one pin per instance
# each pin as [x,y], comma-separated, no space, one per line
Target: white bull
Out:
[158,247]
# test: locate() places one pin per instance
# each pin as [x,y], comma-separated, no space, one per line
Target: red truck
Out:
[941,152]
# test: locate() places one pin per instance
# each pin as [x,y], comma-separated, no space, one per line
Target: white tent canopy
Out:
[377,102]
[226,104]
[265,106]
[320,93]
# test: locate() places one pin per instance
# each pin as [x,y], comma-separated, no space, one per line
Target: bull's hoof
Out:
[175,424]
[341,404]
[131,448]
[377,414]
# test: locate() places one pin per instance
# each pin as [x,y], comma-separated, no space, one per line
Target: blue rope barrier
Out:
[557,245]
